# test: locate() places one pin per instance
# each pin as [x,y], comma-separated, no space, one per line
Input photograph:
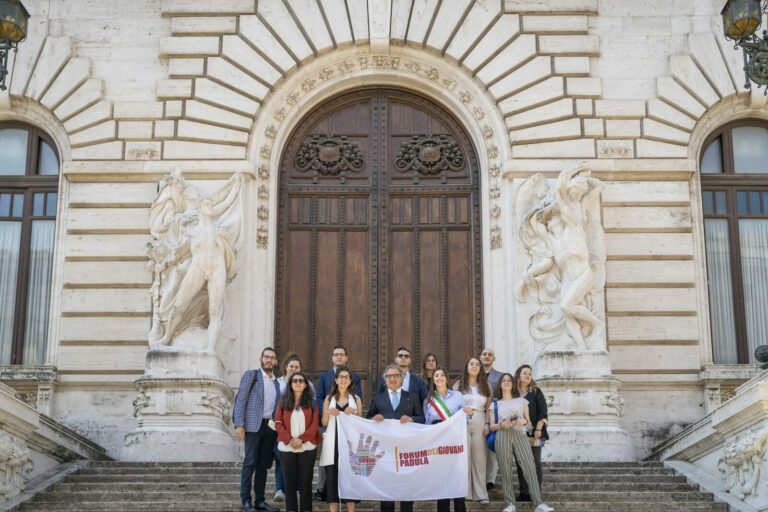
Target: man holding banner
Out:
[393,403]
[397,458]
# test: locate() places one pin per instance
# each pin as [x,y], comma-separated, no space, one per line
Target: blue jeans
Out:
[279,484]
[259,448]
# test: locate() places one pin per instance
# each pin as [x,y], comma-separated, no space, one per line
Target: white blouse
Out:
[298,426]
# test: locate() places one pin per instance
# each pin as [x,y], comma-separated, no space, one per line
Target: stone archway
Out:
[331,75]
[379,235]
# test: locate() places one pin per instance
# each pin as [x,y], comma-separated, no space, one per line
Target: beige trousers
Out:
[478,455]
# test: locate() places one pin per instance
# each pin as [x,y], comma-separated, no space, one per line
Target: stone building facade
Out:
[128,92]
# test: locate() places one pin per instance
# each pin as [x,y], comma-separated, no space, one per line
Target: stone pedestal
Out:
[584,407]
[183,410]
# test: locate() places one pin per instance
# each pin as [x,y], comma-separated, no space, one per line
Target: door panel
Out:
[379,235]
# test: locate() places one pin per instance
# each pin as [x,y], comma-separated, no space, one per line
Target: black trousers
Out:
[297,476]
[389,506]
[521,479]
[257,460]
[459,505]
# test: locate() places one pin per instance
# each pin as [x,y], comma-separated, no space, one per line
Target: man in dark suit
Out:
[395,403]
[411,383]
[255,405]
[324,384]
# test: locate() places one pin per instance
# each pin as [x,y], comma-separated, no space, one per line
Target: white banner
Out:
[389,461]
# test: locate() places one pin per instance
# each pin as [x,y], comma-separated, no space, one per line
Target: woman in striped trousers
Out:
[512,443]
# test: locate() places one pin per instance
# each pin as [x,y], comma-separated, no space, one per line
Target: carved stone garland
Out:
[329,155]
[429,155]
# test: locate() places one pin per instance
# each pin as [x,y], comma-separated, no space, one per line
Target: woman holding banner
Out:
[476,399]
[341,400]
[297,424]
[441,404]
[512,444]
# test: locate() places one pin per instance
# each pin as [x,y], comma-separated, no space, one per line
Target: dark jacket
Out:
[408,406]
[325,383]
[537,410]
[416,386]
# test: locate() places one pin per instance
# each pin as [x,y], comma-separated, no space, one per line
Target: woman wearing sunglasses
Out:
[297,423]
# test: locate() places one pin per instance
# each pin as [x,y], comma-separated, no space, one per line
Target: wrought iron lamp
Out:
[13,30]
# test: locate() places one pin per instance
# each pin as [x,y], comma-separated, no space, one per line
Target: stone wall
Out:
[131,90]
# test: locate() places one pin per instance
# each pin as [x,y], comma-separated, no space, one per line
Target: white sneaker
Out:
[510,508]
[543,507]
[279,496]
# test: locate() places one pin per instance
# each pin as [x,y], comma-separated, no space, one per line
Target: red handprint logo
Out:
[364,458]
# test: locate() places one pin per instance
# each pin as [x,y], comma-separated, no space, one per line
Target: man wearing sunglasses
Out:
[411,383]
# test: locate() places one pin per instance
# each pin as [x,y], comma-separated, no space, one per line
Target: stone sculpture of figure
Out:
[192,257]
[560,230]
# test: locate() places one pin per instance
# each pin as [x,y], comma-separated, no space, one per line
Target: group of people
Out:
[291,420]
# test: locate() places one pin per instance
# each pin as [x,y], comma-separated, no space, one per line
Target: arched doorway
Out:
[379,241]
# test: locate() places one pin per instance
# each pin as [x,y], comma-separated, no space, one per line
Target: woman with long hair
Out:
[341,400]
[512,443]
[476,399]
[526,387]
[298,434]
[428,367]
[441,404]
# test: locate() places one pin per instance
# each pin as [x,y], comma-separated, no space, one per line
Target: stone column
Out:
[559,261]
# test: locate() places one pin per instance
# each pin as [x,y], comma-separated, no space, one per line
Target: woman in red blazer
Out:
[298,435]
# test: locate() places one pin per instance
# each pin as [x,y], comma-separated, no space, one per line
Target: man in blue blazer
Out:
[395,403]
[339,358]
[411,383]
[255,405]
[325,382]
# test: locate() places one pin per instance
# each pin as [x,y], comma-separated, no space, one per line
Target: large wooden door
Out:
[379,242]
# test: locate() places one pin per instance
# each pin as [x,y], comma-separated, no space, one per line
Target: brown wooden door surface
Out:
[379,242]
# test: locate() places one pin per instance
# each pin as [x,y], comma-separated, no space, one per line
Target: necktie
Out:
[395,400]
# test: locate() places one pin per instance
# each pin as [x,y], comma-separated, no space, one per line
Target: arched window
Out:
[734,184]
[29,179]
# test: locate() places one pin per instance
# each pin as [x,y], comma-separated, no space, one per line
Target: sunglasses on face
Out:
[297,381]
[404,356]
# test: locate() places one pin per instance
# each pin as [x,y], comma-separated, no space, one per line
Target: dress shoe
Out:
[523,497]
[266,507]
[247,507]
[318,495]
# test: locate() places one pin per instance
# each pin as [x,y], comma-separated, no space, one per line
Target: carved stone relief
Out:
[193,257]
[742,463]
[15,465]
[562,239]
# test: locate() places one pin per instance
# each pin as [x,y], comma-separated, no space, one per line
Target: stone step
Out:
[234,486]
[235,478]
[186,505]
[216,470]
[236,465]
[170,496]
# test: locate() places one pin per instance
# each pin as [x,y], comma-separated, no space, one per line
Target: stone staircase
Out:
[213,487]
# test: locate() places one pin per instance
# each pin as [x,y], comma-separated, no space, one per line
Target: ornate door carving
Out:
[379,241]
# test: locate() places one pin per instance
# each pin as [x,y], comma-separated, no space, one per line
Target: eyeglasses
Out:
[342,377]
[298,381]
[404,356]
[487,354]
[393,376]
[339,354]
